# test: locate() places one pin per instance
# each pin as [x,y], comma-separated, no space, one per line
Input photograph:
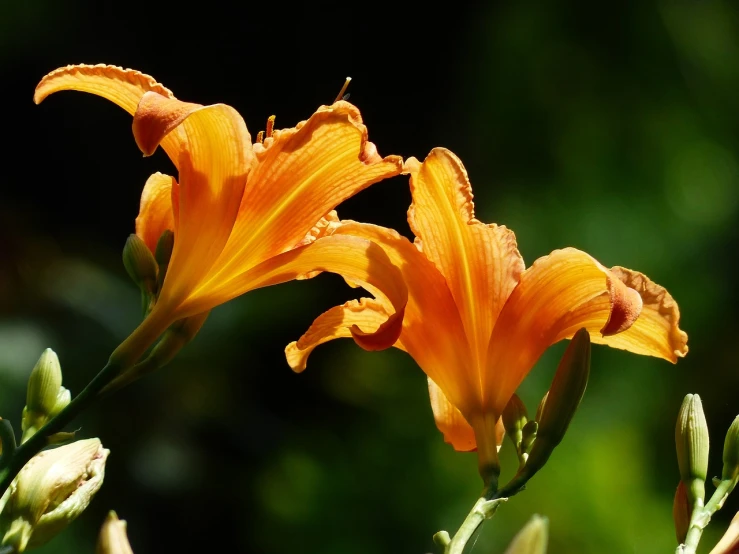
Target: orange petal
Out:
[655,333]
[450,421]
[124,87]
[155,213]
[300,175]
[432,330]
[320,229]
[366,313]
[480,262]
[214,158]
[550,300]
[354,258]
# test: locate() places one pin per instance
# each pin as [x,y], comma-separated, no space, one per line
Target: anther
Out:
[270,125]
[341,96]
[260,137]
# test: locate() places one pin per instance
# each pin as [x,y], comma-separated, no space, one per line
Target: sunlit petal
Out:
[432,330]
[353,258]
[124,87]
[367,314]
[299,176]
[450,421]
[543,305]
[214,159]
[155,212]
[655,333]
[480,262]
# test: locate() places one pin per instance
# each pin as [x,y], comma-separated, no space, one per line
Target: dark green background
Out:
[611,129]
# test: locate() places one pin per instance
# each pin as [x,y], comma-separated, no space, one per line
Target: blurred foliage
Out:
[610,129]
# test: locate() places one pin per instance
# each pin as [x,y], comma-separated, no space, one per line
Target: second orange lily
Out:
[476,320]
[244,215]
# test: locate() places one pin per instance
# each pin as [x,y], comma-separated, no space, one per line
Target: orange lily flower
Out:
[244,215]
[476,320]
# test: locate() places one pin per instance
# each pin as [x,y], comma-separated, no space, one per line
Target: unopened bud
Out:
[691,443]
[45,395]
[528,436]
[562,400]
[681,512]
[540,408]
[140,264]
[731,452]
[51,490]
[172,341]
[515,418]
[113,538]
[532,538]
[44,383]
[165,245]
[163,254]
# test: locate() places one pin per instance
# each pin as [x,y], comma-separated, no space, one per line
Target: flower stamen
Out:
[341,96]
[270,125]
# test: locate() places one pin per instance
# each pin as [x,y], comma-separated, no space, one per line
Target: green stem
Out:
[702,516]
[121,359]
[32,446]
[483,509]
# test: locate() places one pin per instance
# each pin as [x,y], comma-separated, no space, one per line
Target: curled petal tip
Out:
[386,336]
[626,308]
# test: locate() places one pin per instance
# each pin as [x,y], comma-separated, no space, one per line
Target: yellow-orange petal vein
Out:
[548,297]
[480,262]
[300,176]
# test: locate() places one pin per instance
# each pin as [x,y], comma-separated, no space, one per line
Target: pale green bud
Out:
[681,512]
[44,383]
[532,538]
[51,490]
[562,400]
[45,395]
[140,264]
[113,538]
[442,539]
[691,443]
[515,418]
[731,452]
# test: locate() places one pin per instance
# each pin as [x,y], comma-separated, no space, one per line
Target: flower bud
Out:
[140,264]
[731,452]
[45,395]
[691,443]
[515,417]
[44,383]
[113,538]
[172,341]
[528,436]
[681,512]
[163,254]
[164,248]
[51,490]
[562,400]
[532,538]
[540,407]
